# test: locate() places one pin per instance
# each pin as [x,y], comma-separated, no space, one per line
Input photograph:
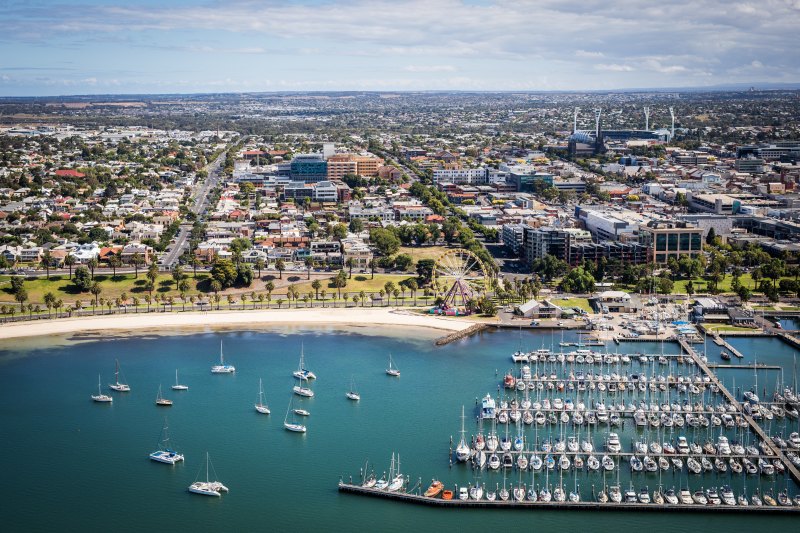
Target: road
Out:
[198,207]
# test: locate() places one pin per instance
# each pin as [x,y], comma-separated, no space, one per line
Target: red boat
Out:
[509,382]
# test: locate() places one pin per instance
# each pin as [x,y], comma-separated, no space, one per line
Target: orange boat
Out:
[447,495]
[434,490]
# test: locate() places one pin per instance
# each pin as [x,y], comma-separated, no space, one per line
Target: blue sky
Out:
[181,46]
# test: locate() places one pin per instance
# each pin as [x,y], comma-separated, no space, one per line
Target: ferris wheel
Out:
[458,275]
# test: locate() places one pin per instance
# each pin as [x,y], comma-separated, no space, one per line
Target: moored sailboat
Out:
[178,385]
[118,385]
[100,397]
[261,407]
[207,487]
[165,454]
[293,425]
[222,368]
[302,372]
[352,394]
[392,370]
[161,401]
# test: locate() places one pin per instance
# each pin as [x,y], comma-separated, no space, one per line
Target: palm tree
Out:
[411,283]
[194,262]
[216,286]
[183,299]
[124,298]
[260,300]
[217,298]
[396,293]
[135,302]
[355,299]
[95,290]
[92,264]
[148,299]
[177,275]
[322,293]
[137,260]
[390,288]
[230,301]
[316,285]
[69,261]
[309,263]
[280,265]
[349,263]
[260,266]
[269,287]
[280,302]
[47,261]
[372,264]
[362,296]
[115,262]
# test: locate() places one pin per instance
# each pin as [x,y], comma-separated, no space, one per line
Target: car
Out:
[535,322]
[561,323]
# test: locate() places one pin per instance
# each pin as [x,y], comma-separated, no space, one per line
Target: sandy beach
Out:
[385,316]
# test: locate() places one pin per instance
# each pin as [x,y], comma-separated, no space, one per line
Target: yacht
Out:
[160,400]
[222,368]
[301,412]
[727,496]
[302,389]
[686,497]
[207,487]
[100,397]
[302,372]
[352,394]
[670,497]
[462,450]
[177,385]
[293,425]
[392,370]
[165,454]
[261,407]
[488,408]
[613,443]
[723,448]
[615,494]
[117,385]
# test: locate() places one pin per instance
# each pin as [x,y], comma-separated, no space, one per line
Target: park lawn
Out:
[424,252]
[724,286]
[724,327]
[581,303]
[358,283]
[63,288]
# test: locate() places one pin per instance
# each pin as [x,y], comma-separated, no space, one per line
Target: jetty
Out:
[776,451]
[566,505]
[464,333]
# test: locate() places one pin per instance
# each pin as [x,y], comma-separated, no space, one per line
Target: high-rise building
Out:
[671,239]
[309,168]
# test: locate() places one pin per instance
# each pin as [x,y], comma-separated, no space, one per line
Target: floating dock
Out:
[577,506]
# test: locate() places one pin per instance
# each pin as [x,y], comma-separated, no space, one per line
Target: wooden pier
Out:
[575,506]
[777,452]
[745,367]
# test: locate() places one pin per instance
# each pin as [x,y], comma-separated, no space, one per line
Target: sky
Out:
[63,47]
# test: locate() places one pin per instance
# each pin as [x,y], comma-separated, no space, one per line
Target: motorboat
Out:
[728,498]
[488,408]
[434,489]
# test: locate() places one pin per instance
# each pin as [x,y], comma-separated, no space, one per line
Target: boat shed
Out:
[537,309]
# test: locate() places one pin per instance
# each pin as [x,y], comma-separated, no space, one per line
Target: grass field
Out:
[423,252]
[722,328]
[359,282]
[581,303]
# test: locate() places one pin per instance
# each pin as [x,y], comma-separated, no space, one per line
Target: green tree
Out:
[280,266]
[177,276]
[260,266]
[403,262]
[384,240]
[114,262]
[47,261]
[92,264]
[69,261]
[316,285]
[82,279]
[224,272]
[95,289]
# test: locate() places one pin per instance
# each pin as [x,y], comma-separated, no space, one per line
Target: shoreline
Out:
[203,320]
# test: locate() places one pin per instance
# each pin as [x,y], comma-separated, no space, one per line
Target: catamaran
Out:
[293,425]
[165,454]
[207,487]
[160,400]
[352,394]
[100,397]
[302,372]
[222,368]
[302,389]
[117,385]
[392,370]
[178,385]
[261,407]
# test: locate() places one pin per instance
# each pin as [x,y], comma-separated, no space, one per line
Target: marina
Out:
[218,416]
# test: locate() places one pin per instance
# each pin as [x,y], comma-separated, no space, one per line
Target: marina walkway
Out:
[753,424]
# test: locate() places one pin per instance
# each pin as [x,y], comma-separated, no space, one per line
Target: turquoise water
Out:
[71,464]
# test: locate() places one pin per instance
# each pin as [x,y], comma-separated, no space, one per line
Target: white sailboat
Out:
[222,368]
[352,394]
[462,450]
[302,389]
[117,385]
[165,454]
[177,385]
[261,407]
[207,487]
[100,397]
[392,370]
[160,400]
[302,372]
[293,425]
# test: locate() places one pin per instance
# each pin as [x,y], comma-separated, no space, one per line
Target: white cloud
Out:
[614,67]
[430,68]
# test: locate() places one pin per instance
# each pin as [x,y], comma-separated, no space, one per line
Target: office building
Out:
[309,168]
[671,239]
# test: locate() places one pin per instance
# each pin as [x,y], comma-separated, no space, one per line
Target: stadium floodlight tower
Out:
[672,131]
[575,120]
[646,118]
[597,113]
